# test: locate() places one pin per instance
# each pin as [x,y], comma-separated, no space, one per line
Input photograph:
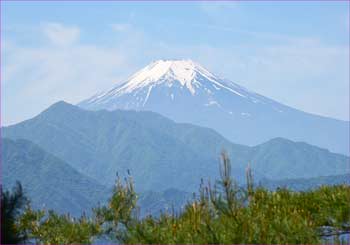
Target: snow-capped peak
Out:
[172,76]
[183,71]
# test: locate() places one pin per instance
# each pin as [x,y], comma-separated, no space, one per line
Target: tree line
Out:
[220,213]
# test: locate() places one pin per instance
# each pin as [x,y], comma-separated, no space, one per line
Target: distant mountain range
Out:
[67,159]
[160,153]
[170,200]
[303,184]
[184,91]
[53,184]
[47,180]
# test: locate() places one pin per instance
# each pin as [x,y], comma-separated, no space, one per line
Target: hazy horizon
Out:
[296,53]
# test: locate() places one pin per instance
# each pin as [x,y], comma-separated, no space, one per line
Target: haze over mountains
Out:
[184,91]
[47,180]
[160,153]
[75,152]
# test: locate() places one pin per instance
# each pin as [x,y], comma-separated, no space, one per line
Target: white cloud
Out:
[34,77]
[71,72]
[61,35]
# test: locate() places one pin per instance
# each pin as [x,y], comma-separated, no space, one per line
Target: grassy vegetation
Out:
[222,213]
[228,214]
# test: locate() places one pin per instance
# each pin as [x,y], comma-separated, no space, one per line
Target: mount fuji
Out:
[185,91]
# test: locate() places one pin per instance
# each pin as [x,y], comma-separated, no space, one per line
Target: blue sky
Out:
[294,52]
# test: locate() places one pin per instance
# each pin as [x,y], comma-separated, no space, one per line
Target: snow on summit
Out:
[178,85]
[185,91]
[185,75]
[182,71]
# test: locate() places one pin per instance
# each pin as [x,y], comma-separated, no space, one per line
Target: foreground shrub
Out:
[229,214]
[50,228]
[12,205]
[223,213]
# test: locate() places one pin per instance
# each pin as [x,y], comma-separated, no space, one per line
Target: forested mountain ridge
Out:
[160,153]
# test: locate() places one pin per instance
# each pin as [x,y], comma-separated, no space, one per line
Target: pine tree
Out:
[12,205]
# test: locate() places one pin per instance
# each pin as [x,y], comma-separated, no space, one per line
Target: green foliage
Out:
[228,214]
[11,207]
[51,228]
[120,212]
[224,213]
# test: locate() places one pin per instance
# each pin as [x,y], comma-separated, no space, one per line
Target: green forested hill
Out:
[282,158]
[160,153]
[47,180]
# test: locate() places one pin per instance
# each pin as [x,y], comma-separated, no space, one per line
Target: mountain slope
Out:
[48,181]
[184,91]
[284,157]
[152,202]
[101,143]
[303,184]
[161,154]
